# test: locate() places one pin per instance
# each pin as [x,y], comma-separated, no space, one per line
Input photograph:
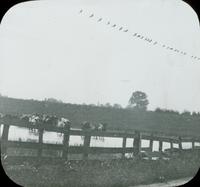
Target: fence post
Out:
[137,144]
[124,147]
[160,146]
[180,143]
[86,144]
[193,145]
[171,144]
[151,146]
[66,141]
[40,143]
[151,143]
[4,139]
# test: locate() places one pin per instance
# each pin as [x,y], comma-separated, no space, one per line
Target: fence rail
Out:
[86,149]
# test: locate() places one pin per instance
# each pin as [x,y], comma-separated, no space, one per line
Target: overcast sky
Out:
[49,49]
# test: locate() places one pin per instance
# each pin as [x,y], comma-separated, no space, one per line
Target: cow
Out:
[99,127]
[33,119]
[46,120]
[25,117]
[87,126]
[63,123]
[102,128]
[50,120]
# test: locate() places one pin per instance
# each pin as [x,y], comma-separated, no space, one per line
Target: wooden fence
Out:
[86,149]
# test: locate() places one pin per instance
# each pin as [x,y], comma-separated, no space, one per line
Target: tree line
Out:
[137,102]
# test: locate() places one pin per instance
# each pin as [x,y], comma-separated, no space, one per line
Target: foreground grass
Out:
[116,173]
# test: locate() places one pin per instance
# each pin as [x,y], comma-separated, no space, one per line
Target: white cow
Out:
[47,120]
[25,116]
[33,119]
[100,127]
[1,115]
[63,122]
[30,118]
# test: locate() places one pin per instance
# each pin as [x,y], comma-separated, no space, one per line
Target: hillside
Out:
[118,119]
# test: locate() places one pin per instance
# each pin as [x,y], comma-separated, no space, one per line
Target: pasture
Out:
[60,170]
[169,122]
[109,173]
[41,163]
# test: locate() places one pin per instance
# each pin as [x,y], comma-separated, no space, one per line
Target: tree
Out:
[117,105]
[186,113]
[108,105]
[166,111]
[52,100]
[92,105]
[138,101]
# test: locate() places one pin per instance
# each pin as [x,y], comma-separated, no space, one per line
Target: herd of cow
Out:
[52,120]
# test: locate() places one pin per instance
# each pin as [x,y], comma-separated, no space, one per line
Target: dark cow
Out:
[87,126]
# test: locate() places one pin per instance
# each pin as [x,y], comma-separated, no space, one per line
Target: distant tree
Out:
[172,111]
[197,114]
[138,101]
[186,113]
[166,111]
[93,105]
[117,105]
[108,105]
[159,110]
[194,113]
[52,100]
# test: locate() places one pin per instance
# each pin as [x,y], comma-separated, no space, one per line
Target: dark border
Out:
[195,5]
[7,4]
[195,180]
[5,180]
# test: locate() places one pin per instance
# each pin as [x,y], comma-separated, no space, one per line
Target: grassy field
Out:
[167,122]
[109,173]
[96,173]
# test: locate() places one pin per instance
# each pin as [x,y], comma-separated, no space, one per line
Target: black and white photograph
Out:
[100,93]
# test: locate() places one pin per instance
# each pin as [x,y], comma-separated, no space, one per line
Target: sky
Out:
[50,49]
